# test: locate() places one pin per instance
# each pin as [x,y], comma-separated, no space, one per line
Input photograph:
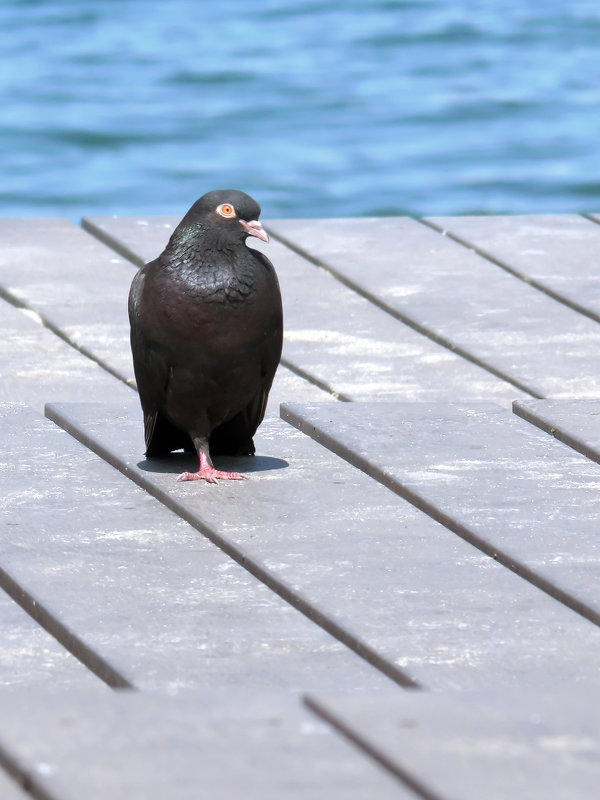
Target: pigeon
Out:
[206,335]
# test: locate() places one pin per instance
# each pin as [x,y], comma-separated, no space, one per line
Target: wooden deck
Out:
[404,599]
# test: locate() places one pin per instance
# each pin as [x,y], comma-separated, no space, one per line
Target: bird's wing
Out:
[152,374]
[234,437]
[271,348]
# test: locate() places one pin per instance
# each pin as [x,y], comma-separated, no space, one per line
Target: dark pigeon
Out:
[206,334]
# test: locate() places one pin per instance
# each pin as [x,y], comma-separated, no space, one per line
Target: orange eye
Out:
[225,210]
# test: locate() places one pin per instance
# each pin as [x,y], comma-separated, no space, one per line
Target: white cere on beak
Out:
[254,228]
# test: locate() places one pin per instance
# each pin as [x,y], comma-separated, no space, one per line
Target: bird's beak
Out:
[254,228]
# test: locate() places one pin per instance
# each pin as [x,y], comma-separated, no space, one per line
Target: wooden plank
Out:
[77,285]
[513,492]
[457,297]
[134,592]
[139,239]
[10,789]
[30,656]
[381,576]
[553,252]
[134,746]
[78,288]
[463,746]
[38,366]
[573,422]
[335,337]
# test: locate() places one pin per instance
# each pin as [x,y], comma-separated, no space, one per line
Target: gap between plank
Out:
[363,744]
[13,300]
[572,304]
[570,440]
[411,496]
[70,641]
[24,777]
[114,244]
[237,553]
[315,381]
[416,326]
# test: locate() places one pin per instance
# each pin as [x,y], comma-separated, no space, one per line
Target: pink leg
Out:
[206,472]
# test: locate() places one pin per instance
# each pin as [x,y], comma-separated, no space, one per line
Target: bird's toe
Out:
[211,475]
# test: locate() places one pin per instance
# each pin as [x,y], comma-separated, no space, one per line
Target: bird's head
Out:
[228,213]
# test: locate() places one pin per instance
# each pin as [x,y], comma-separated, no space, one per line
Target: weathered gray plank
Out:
[30,656]
[501,484]
[333,335]
[385,578]
[133,746]
[139,239]
[79,288]
[72,281]
[37,366]
[468,746]
[554,252]
[136,593]
[458,297]
[10,789]
[573,422]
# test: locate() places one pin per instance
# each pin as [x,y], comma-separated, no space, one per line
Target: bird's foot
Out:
[211,475]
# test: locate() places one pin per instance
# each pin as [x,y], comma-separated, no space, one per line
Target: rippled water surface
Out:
[316,108]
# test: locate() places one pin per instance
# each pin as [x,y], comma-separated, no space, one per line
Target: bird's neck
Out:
[199,238]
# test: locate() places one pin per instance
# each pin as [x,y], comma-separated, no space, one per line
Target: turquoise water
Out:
[316,108]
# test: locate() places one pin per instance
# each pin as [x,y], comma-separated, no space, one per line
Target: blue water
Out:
[316,108]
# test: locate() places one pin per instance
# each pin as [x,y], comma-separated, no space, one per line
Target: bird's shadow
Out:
[188,462]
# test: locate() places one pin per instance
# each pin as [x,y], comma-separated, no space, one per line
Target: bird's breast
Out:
[220,308]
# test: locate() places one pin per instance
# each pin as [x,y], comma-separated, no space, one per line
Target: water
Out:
[317,108]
